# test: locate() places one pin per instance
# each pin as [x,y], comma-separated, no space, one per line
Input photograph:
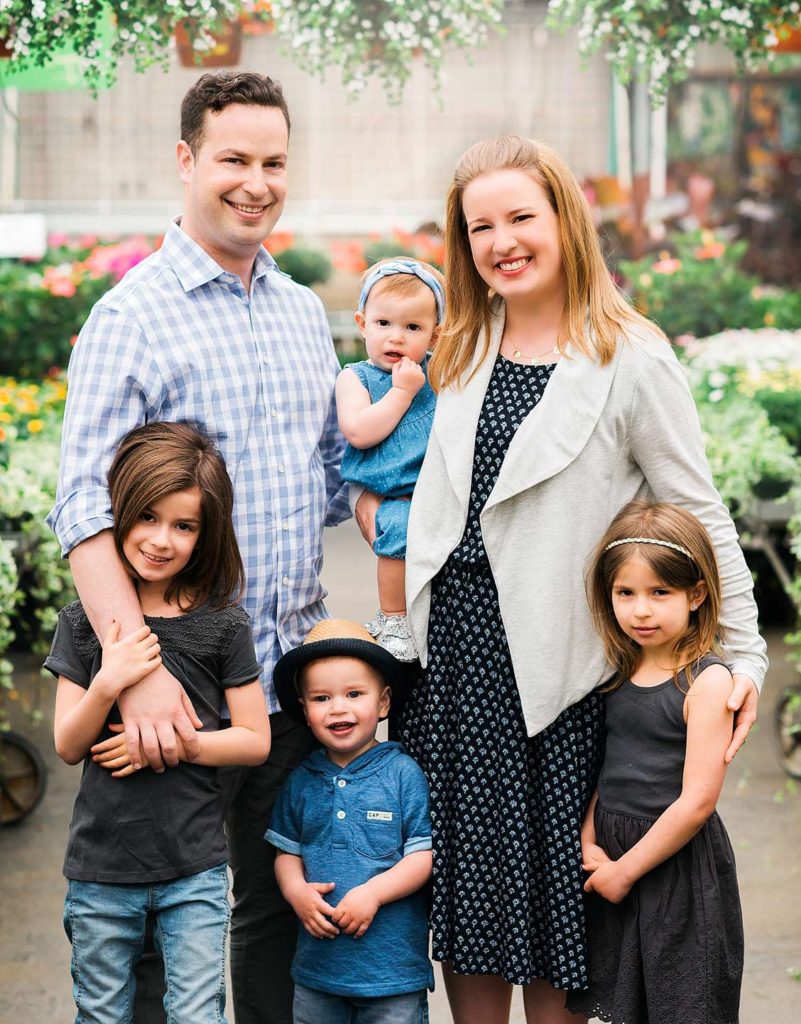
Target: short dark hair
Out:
[161,458]
[217,90]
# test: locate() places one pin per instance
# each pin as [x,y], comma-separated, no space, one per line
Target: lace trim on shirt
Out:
[202,632]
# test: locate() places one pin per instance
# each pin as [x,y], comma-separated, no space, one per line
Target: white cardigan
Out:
[599,437]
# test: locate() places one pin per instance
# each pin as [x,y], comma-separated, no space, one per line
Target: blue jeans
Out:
[312,1007]
[106,925]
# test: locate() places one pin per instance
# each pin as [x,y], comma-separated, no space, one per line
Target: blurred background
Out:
[681,119]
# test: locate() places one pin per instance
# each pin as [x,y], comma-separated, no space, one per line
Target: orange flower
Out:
[710,251]
[279,241]
[348,256]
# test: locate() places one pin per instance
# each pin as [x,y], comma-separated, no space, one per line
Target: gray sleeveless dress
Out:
[673,949]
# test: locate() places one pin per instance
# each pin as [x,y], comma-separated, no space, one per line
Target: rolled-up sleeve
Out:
[666,441]
[114,385]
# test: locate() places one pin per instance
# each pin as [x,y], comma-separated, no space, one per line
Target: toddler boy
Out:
[352,827]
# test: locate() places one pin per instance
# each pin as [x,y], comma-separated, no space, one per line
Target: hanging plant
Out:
[366,38]
[657,39]
[363,38]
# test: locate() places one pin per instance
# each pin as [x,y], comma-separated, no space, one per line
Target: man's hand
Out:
[313,912]
[609,880]
[153,712]
[365,511]
[355,911]
[743,701]
[127,661]
[408,376]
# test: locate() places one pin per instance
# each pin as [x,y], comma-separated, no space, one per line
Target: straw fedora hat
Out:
[337,638]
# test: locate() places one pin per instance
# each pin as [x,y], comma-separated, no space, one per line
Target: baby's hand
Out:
[355,911]
[408,376]
[312,910]
[127,661]
[609,881]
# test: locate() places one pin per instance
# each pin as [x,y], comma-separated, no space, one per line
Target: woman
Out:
[557,404]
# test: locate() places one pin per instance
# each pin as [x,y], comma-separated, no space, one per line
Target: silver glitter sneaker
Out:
[396,637]
[376,625]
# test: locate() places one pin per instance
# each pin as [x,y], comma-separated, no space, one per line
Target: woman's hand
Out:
[127,661]
[355,911]
[610,881]
[743,701]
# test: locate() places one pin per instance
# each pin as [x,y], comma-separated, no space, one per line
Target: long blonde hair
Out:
[670,524]
[589,285]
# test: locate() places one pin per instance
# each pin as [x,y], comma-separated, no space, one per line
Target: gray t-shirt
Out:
[148,827]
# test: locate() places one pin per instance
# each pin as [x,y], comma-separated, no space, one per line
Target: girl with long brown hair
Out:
[140,842]
[557,404]
[663,918]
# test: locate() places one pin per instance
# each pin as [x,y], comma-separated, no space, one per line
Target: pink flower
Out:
[666,266]
[57,239]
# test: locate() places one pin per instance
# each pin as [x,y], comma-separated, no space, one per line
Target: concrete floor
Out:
[761,811]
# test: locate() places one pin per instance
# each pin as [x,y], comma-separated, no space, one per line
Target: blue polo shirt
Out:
[349,825]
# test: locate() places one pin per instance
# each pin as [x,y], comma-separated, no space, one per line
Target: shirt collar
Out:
[194,267]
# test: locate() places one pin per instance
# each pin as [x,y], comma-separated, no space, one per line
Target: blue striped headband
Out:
[402,266]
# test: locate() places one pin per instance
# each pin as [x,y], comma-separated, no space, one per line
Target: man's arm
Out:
[157,707]
[114,385]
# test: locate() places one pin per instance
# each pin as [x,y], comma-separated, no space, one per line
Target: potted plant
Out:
[217,47]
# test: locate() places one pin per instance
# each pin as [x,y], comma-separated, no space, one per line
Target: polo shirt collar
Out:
[364,764]
[192,264]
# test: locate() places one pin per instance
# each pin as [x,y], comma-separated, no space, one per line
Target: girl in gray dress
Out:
[663,918]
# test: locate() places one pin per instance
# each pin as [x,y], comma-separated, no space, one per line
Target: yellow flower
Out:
[34,426]
[5,417]
[770,319]
[3,434]
[646,280]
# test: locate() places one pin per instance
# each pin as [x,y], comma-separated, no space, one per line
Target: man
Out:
[210,331]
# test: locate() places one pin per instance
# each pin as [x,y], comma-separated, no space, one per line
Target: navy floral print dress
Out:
[506,809]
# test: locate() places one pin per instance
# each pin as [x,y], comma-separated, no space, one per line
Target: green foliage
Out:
[745,451]
[36,324]
[701,290]
[306,266]
[104,32]
[656,40]
[27,493]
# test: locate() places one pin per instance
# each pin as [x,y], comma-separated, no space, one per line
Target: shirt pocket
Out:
[376,832]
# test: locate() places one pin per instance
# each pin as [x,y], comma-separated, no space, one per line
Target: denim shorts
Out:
[106,925]
[313,1007]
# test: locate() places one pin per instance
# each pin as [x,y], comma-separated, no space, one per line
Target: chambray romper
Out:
[391,467]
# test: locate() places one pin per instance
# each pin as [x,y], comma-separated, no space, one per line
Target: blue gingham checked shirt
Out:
[179,339]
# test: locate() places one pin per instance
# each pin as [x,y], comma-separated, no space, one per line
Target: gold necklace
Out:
[533,360]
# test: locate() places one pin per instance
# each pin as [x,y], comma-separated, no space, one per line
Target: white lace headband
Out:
[650,540]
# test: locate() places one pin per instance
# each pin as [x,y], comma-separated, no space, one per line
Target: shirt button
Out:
[273,412]
[281,467]
[285,581]
[341,783]
[285,525]
[340,815]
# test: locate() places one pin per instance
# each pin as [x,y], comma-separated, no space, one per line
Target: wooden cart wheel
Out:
[23,778]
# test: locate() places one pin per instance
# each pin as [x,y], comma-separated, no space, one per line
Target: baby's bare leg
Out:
[392,585]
